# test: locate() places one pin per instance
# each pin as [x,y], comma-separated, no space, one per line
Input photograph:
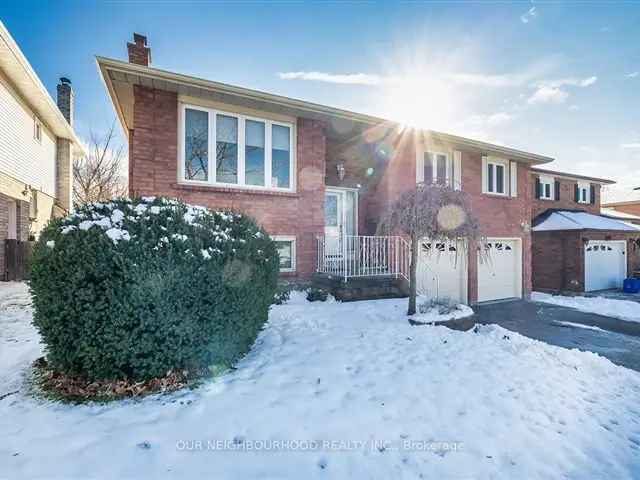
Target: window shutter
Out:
[419,167]
[556,190]
[457,170]
[538,187]
[592,194]
[576,195]
[484,174]
[513,178]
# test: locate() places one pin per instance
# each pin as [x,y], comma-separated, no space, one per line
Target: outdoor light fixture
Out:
[341,170]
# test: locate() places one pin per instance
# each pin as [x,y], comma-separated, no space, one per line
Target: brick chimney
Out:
[139,53]
[64,149]
[65,99]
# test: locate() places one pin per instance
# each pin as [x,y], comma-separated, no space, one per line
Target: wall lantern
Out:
[341,170]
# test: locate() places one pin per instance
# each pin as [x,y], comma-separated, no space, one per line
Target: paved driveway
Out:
[617,340]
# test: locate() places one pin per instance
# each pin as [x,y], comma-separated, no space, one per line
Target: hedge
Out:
[133,289]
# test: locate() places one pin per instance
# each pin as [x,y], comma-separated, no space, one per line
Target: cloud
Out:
[494,119]
[547,94]
[481,80]
[529,15]
[345,79]
[570,82]
[574,108]
[630,145]
[632,74]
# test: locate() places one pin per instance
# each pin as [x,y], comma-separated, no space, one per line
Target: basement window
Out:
[286,246]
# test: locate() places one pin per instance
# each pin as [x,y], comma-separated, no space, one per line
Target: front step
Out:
[362,288]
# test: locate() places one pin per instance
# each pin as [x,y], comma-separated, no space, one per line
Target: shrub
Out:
[317,295]
[132,289]
[443,306]
[282,295]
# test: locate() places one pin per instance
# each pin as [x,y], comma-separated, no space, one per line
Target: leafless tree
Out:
[98,175]
[433,211]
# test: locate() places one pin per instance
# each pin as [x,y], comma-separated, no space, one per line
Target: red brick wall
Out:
[558,257]
[632,209]
[567,198]
[154,164]
[499,216]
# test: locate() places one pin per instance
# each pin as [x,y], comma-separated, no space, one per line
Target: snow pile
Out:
[341,390]
[622,309]
[434,312]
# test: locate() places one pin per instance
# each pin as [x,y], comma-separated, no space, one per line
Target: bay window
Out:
[249,152]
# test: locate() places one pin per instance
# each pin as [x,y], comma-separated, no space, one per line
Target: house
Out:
[626,207]
[319,178]
[37,143]
[618,215]
[575,247]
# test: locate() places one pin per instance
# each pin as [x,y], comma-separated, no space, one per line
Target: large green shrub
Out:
[132,289]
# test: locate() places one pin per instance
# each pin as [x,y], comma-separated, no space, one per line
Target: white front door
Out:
[442,271]
[333,222]
[500,270]
[605,264]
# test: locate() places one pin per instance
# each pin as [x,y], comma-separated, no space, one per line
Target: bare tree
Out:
[98,176]
[433,211]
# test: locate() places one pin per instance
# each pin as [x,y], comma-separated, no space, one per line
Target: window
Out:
[584,193]
[249,152]
[254,153]
[196,145]
[496,178]
[37,130]
[436,168]
[547,185]
[286,246]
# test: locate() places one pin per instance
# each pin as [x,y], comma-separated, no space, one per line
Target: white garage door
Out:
[500,270]
[605,264]
[442,271]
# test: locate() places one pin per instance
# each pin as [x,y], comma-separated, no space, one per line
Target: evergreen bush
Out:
[133,289]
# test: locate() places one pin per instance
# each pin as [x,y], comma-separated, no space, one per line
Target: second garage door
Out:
[500,270]
[605,264]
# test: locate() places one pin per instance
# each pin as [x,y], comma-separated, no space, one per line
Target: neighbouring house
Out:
[37,144]
[576,247]
[629,207]
[623,216]
[318,179]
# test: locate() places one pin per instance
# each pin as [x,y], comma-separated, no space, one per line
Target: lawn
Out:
[338,390]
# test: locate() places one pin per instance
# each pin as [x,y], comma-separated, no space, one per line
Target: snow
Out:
[338,390]
[432,315]
[609,307]
[569,220]
[579,325]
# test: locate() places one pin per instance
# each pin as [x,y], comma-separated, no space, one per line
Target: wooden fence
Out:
[17,259]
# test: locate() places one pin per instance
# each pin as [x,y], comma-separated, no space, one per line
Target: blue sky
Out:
[553,78]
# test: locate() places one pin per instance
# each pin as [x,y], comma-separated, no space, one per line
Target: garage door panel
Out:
[499,270]
[605,265]
[442,270]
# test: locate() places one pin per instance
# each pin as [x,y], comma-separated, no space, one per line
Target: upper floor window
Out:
[496,178]
[436,168]
[546,188]
[584,193]
[37,130]
[499,176]
[246,151]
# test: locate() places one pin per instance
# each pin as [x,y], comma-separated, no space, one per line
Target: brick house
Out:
[37,143]
[318,178]
[575,247]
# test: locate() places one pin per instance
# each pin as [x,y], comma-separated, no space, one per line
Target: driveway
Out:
[614,339]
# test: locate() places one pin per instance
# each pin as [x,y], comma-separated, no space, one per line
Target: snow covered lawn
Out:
[622,309]
[339,390]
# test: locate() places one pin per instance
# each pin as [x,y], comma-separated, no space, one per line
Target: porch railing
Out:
[351,256]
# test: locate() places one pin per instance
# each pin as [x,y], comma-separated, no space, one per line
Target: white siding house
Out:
[37,145]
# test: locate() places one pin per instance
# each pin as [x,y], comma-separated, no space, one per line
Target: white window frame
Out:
[37,130]
[242,118]
[434,166]
[492,189]
[551,181]
[586,187]
[292,239]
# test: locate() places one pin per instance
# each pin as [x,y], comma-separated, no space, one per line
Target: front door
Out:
[339,220]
